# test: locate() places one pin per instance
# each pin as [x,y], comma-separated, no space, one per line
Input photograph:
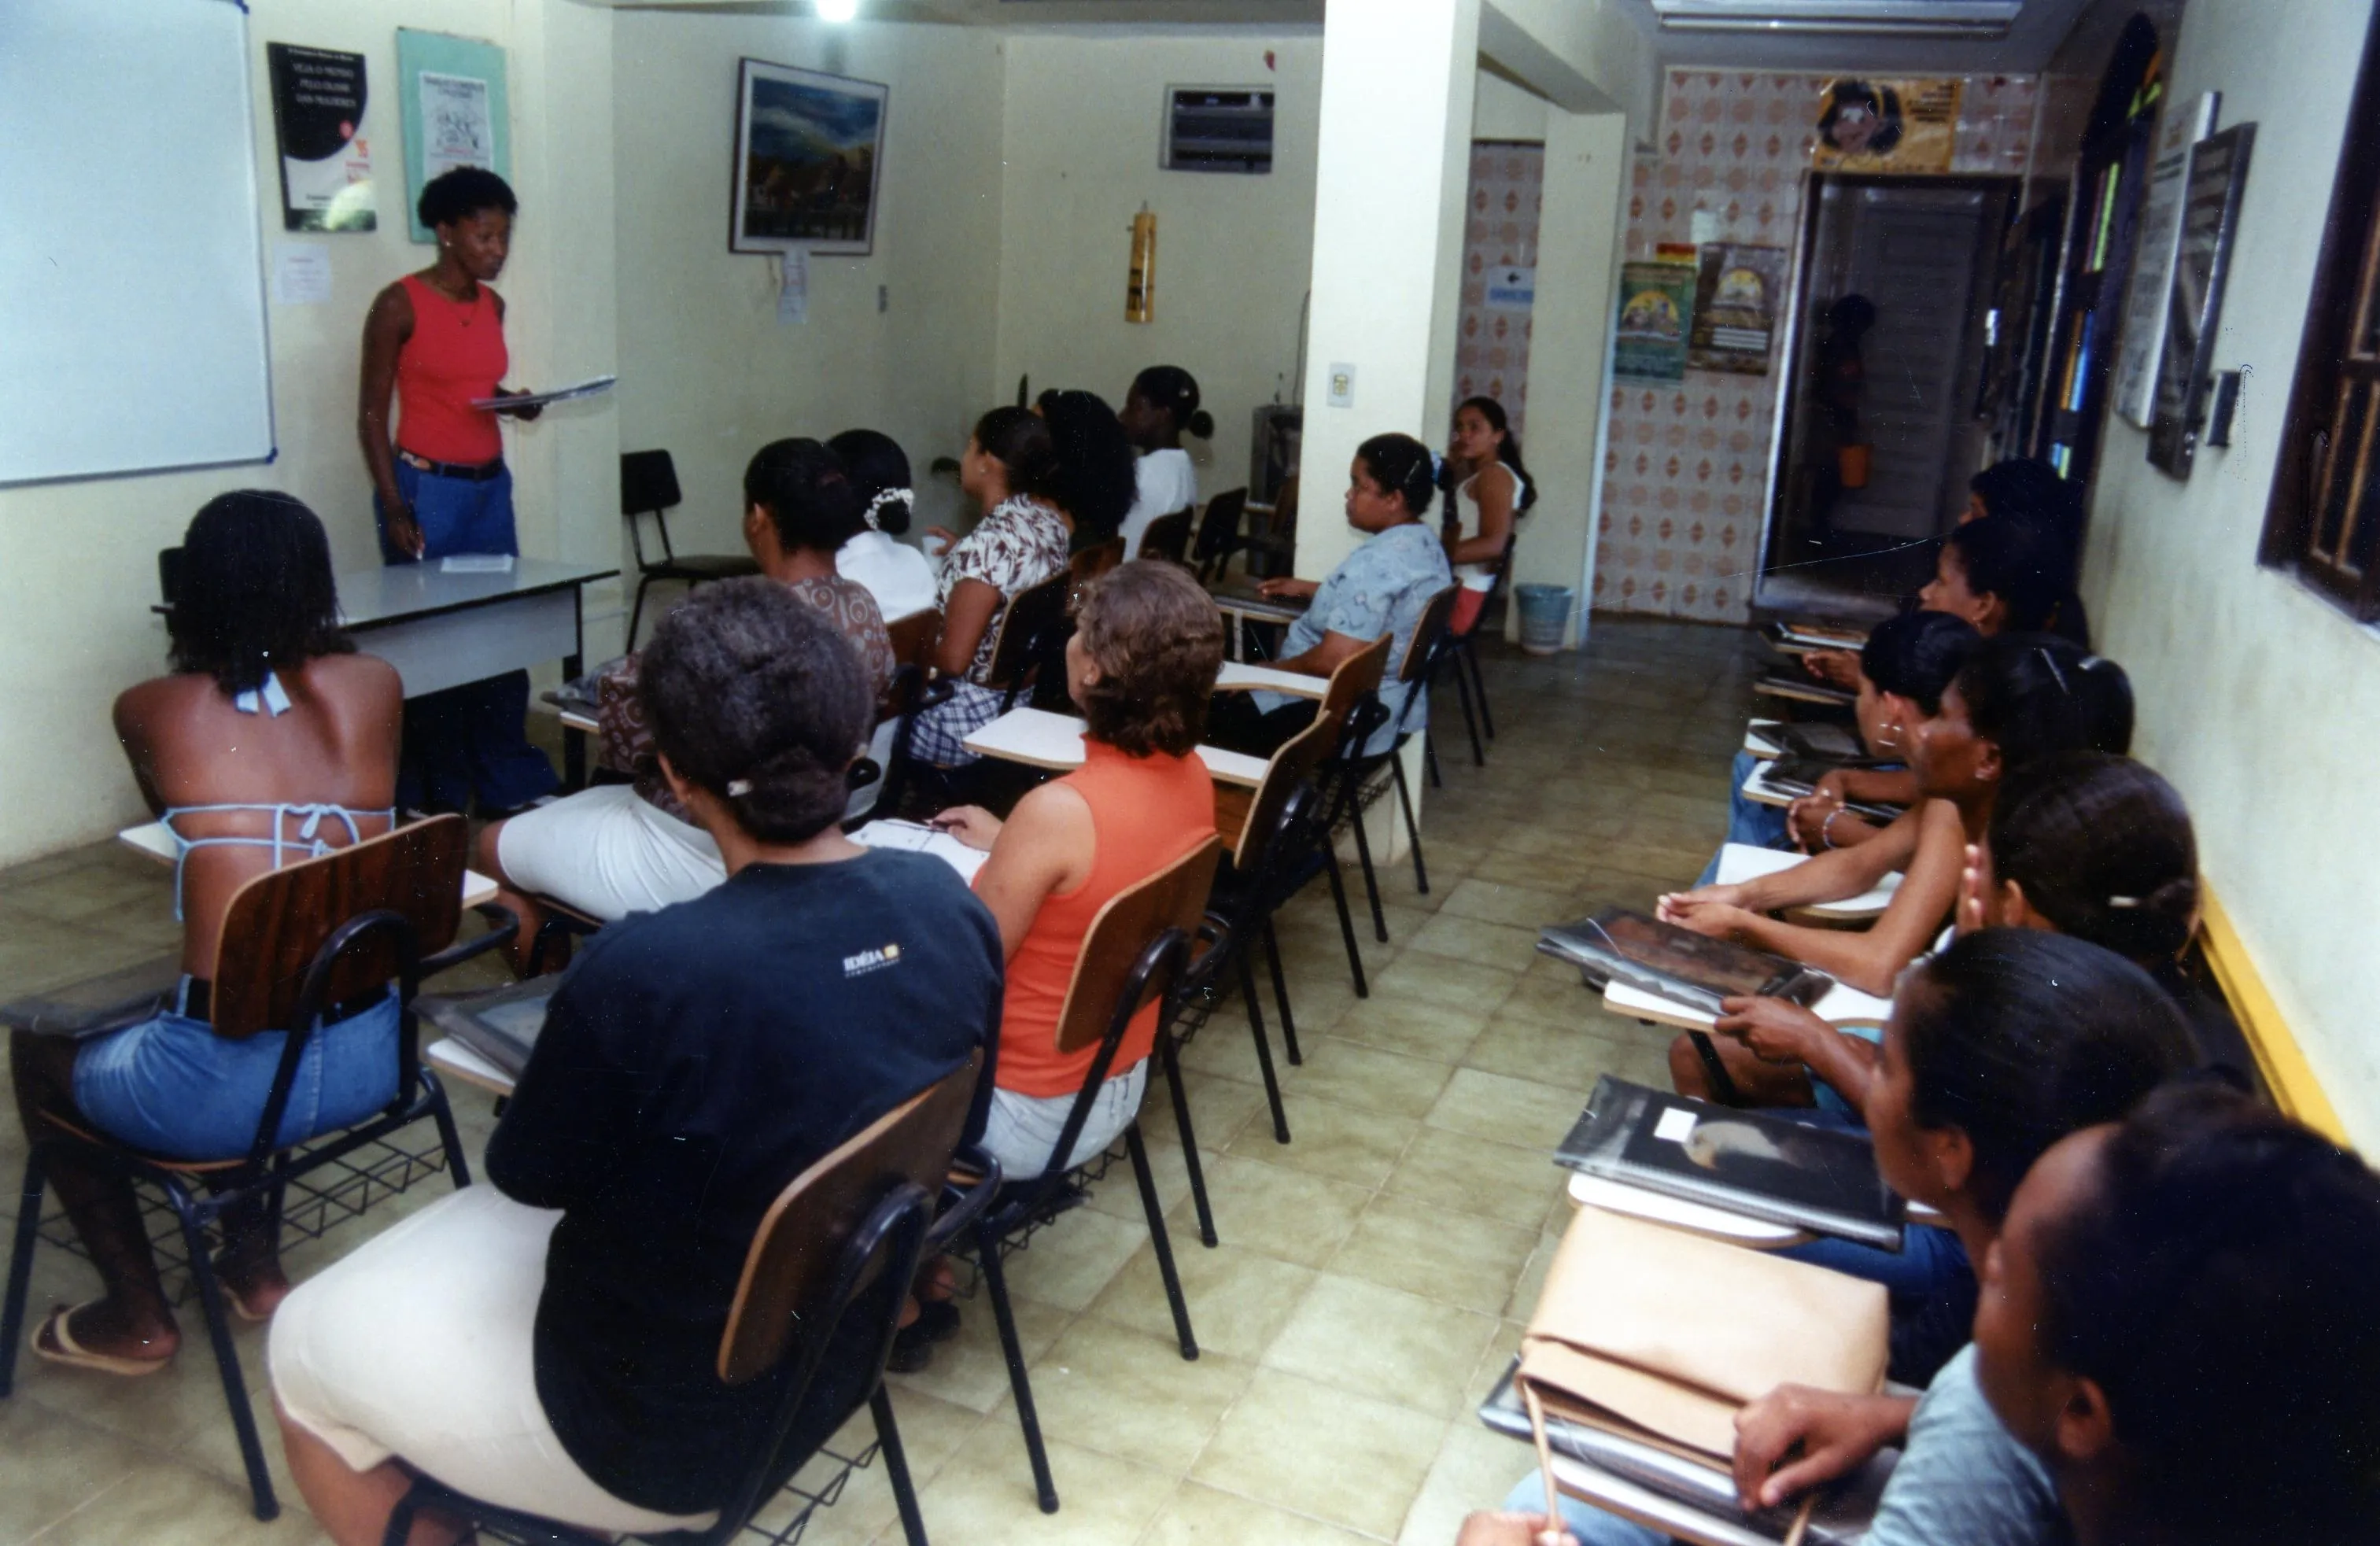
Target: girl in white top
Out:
[1491,492]
[1163,403]
[895,573]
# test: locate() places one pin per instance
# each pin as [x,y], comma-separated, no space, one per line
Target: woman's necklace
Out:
[466,312]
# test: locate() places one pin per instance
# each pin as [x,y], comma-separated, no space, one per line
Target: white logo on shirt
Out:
[871,960]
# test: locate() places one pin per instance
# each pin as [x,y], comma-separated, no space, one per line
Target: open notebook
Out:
[917,838]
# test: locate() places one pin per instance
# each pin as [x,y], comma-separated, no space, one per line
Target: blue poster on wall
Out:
[451,97]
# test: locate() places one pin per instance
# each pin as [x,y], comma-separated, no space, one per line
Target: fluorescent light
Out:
[1933,18]
[838,10]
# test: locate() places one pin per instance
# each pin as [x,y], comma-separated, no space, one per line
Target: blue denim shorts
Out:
[173,1086]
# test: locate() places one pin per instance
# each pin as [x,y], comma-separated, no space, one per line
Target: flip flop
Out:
[239,1306]
[53,1341]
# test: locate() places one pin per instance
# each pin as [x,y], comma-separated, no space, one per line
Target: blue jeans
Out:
[171,1086]
[468,740]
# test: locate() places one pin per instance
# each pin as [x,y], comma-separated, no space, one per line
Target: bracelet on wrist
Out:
[1827,828]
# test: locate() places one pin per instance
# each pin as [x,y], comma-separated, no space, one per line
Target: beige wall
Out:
[1083,126]
[78,562]
[2259,701]
[706,370]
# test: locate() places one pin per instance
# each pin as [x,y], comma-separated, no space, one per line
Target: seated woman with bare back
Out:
[271,742]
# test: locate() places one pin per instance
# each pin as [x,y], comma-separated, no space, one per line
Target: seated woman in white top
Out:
[1490,491]
[1163,403]
[895,573]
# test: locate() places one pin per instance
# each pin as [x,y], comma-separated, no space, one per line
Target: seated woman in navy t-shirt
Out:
[548,1341]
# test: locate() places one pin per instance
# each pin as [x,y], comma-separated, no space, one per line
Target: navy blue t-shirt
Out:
[692,1063]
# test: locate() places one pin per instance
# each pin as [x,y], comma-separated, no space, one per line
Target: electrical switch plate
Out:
[1341,386]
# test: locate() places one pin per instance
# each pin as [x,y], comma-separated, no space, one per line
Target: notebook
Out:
[1827,743]
[1620,945]
[501,1024]
[1766,1167]
[917,838]
[1801,685]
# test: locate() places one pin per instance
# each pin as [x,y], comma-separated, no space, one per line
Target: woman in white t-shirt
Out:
[1490,491]
[895,573]
[1163,403]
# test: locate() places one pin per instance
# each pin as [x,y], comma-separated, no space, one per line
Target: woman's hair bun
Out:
[1202,424]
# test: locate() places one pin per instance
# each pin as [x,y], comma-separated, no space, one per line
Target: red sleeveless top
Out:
[457,353]
[1146,812]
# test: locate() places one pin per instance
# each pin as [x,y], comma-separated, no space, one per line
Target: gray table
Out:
[441,630]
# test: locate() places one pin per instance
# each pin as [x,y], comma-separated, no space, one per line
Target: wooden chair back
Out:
[280,919]
[913,637]
[1427,629]
[1353,679]
[1028,615]
[1174,897]
[1292,763]
[1168,537]
[1090,564]
[792,1270]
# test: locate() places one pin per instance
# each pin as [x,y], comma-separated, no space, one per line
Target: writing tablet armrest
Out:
[974,1179]
[504,927]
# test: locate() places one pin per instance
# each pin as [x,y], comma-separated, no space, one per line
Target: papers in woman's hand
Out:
[587,388]
[919,839]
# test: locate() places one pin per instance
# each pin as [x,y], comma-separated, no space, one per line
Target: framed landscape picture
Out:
[807,149]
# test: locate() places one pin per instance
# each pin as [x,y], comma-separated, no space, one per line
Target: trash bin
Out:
[1545,616]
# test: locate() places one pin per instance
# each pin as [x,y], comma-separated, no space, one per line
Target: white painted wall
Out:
[1084,132]
[706,370]
[2260,702]
[78,560]
[1501,110]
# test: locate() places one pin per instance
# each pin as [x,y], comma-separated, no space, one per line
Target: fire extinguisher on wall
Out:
[1140,287]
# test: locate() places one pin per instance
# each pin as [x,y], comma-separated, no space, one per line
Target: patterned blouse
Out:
[1016,546]
[626,741]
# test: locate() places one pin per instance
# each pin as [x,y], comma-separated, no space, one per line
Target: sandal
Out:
[53,1341]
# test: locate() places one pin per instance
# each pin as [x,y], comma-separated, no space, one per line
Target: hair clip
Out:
[2123,901]
[884,497]
[2051,661]
[738,787]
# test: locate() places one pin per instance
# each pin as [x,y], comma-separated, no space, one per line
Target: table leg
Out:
[574,742]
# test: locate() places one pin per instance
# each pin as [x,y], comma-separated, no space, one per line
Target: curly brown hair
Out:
[1159,643]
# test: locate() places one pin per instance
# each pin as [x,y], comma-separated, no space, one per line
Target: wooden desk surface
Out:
[1239,678]
[1040,739]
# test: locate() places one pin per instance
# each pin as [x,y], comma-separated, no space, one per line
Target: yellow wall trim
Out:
[2279,1057]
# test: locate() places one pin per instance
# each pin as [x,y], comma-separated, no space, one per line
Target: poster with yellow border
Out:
[1656,309]
[1871,125]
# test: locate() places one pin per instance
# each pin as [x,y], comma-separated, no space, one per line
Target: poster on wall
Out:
[1735,307]
[2142,345]
[318,122]
[807,146]
[1887,125]
[450,94]
[2201,264]
[1657,305]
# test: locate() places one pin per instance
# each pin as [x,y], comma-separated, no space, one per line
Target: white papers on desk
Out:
[1841,1006]
[917,838]
[1739,862]
[1757,739]
[476,564]
[587,388]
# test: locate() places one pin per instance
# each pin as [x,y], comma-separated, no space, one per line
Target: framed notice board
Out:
[2202,263]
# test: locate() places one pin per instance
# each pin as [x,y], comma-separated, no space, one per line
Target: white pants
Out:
[608,853]
[419,1345]
[1021,1130]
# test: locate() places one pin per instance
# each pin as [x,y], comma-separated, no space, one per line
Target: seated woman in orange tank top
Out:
[1147,648]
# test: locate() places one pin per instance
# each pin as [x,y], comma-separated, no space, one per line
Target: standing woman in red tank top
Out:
[434,342]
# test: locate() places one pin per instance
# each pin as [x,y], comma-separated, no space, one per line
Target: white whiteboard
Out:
[132,330]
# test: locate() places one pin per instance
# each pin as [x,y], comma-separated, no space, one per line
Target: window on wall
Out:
[2324,520]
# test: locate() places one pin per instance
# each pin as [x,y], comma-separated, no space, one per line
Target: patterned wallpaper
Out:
[1686,465]
[1491,351]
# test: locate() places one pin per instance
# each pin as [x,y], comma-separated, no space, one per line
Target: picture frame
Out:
[2202,266]
[809,153]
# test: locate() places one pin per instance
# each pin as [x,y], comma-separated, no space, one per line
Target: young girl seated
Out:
[271,742]
[1489,493]
[895,573]
[549,1340]
[1010,470]
[1147,648]
[1381,587]
[1162,407]
[622,848]
[1995,1048]
[2176,1319]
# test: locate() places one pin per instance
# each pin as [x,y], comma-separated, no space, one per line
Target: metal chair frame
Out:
[648,487]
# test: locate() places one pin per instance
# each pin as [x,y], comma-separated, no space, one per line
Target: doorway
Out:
[1881,424]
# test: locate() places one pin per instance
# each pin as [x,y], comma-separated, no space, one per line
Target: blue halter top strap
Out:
[268,697]
[306,844]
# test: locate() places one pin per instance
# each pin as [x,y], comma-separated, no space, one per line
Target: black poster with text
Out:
[318,113]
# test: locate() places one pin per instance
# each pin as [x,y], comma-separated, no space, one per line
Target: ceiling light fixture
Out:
[1979,20]
[838,10]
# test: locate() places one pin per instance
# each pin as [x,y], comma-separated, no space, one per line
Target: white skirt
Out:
[420,1343]
[608,853]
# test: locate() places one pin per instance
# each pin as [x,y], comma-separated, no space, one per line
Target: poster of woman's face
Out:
[1886,126]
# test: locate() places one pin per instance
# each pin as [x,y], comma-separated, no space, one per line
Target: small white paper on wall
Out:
[301,273]
[792,288]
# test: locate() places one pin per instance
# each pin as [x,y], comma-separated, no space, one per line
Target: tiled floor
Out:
[1372,1273]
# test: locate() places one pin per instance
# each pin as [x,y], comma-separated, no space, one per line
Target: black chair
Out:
[1356,767]
[1021,640]
[648,487]
[294,941]
[857,1217]
[1461,651]
[1168,537]
[1133,954]
[1218,534]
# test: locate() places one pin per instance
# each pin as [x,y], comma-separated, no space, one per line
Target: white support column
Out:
[1398,77]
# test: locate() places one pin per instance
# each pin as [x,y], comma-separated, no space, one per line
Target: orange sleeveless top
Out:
[1146,812]
[457,353]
